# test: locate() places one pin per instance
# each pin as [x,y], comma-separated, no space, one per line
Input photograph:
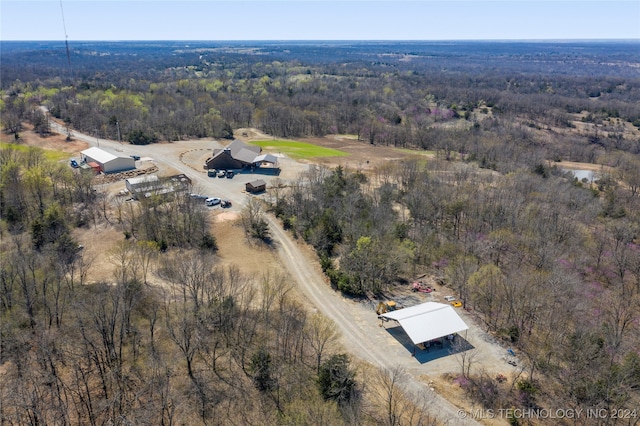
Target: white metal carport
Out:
[427,321]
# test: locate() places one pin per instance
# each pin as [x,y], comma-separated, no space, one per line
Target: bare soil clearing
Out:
[572,165]
[54,141]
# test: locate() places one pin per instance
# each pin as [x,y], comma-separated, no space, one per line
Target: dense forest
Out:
[551,264]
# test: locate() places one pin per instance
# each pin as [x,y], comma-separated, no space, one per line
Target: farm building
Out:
[106,161]
[141,184]
[238,155]
[256,186]
[148,185]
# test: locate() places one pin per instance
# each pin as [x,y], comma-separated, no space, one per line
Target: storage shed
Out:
[107,162]
[142,184]
[256,186]
[146,186]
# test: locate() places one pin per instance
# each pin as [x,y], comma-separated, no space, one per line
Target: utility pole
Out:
[118,127]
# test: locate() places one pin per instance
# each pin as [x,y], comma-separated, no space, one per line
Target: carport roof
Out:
[266,158]
[428,321]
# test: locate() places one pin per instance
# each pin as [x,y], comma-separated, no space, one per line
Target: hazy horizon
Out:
[320,20]
[566,40]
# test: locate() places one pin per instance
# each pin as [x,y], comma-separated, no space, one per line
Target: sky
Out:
[214,20]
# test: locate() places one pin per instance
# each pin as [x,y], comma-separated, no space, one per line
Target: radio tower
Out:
[66,38]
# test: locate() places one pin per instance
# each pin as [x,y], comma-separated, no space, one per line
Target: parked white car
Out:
[213,201]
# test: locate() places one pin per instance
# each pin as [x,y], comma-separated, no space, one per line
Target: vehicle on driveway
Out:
[225,204]
[213,201]
[454,302]
[198,196]
[229,174]
[212,172]
[73,163]
[221,173]
[421,287]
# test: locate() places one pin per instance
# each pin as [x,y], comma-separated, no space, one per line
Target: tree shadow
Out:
[436,349]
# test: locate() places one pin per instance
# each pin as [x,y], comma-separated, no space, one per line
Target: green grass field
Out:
[48,154]
[298,150]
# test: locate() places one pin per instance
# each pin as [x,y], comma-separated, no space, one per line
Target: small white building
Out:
[107,162]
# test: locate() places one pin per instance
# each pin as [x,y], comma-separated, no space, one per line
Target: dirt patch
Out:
[54,141]
[234,248]
[572,165]
[98,242]
[226,216]
[196,157]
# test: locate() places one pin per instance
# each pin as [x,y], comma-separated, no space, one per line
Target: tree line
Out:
[550,264]
[470,108]
[208,345]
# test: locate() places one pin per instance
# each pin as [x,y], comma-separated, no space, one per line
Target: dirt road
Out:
[361,335]
[357,331]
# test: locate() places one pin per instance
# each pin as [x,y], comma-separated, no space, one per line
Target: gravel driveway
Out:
[362,334]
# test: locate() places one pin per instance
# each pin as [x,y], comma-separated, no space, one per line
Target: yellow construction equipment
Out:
[386,306]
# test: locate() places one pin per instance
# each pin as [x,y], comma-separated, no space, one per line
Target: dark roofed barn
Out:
[223,159]
[234,156]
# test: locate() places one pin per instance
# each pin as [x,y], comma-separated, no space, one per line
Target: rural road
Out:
[361,335]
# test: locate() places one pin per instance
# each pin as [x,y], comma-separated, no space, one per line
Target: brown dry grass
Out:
[252,258]
[54,141]
[234,248]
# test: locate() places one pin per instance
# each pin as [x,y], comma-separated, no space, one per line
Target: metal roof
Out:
[266,158]
[245,155]
[237,145]
[428,321]
[144,179]
[99,155]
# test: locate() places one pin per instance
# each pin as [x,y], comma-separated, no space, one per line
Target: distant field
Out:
[417,152]
[48,154]
[299,150]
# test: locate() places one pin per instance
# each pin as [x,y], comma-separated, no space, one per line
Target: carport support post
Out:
[414,351]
